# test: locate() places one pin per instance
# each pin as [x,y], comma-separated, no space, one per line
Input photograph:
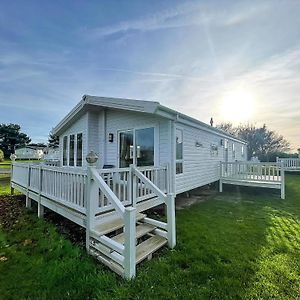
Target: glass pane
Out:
[79,150]
[65,143]
[179,168]
[71,153]
[126,149]
[179,144]
[144,139]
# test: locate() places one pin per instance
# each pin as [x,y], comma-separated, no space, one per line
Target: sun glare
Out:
[237,106]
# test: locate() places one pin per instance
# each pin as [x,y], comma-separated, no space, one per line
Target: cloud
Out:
[183,15]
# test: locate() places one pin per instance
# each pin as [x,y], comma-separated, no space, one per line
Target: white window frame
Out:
[181,159]
[156,142]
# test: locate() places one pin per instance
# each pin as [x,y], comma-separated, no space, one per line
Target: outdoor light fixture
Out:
[110,137]
[198,144]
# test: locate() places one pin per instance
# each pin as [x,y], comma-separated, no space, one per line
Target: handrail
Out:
[114,200]
[262,163]
[148,183]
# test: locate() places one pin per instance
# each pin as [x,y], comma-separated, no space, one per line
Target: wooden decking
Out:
[108,203]
[265,175]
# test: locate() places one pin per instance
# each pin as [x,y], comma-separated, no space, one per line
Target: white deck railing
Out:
[263,174]
[263,171]
[93,191]
[290,164]
[67,185]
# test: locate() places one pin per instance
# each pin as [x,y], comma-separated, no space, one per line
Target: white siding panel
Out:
[200,167]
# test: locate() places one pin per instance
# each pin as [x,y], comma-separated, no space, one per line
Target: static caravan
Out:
[119,158]
[29,152]
[144,133]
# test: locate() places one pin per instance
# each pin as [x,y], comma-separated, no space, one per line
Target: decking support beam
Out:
[282,189]
[171,225]
[130,249]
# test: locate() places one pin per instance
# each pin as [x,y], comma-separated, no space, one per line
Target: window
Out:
[214,150]
[233,150]
[243,151]
[79,150]
[65,145]
[179,151]
[72,150]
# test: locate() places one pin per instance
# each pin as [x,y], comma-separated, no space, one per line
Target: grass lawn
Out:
[241,244]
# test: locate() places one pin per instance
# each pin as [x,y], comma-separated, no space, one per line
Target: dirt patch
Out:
[67,228]
[185,200]
[11,208]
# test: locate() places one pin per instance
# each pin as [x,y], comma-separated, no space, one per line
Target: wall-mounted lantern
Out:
[110,137]
[198,144]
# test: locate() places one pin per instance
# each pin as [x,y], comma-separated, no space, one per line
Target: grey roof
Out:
[152,107]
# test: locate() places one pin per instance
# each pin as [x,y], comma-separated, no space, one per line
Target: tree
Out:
[1,155]
[264,143]
[53,140]
[12,137]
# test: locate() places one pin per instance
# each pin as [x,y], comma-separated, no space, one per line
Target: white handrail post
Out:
[282,180]
[40,206]
[28,200]
[129,186]
[12,158]
[91,196]
[130,249]
[171,223]
[220,181]
[133,185]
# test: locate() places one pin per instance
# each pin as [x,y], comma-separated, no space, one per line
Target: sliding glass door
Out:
[136,146]
[125,148]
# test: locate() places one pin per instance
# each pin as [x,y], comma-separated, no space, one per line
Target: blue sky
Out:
[190,55]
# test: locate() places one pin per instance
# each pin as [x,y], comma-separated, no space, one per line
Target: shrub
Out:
[1,155]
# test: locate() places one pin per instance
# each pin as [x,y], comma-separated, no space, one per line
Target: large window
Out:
[233,150]
[72,150]
[243,151]
[179,151]
[65,153]
[79,150]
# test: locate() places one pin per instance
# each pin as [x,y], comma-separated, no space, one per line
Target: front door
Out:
[136,147]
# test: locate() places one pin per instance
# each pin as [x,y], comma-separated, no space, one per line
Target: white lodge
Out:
[124,132]
[146,153]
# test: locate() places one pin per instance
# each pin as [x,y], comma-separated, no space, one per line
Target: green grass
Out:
[241,244]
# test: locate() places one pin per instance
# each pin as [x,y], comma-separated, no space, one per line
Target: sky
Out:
[235,61]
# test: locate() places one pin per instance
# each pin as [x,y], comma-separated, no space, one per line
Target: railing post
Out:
[40,206]
[129,186]
[12,158]
[171,222]
[220,181]
[282,180]
[28,200]
[92,196]
[130,236]
[134,183]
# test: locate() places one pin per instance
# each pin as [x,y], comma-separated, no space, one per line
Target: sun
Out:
[237,106]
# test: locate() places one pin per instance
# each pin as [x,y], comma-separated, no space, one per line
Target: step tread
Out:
[149,246]
[141,230]
[112,225]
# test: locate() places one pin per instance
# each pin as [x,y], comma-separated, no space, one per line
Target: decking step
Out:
[141,230]
[144,249]
[112,225]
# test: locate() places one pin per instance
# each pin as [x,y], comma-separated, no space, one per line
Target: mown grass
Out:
[242,244]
